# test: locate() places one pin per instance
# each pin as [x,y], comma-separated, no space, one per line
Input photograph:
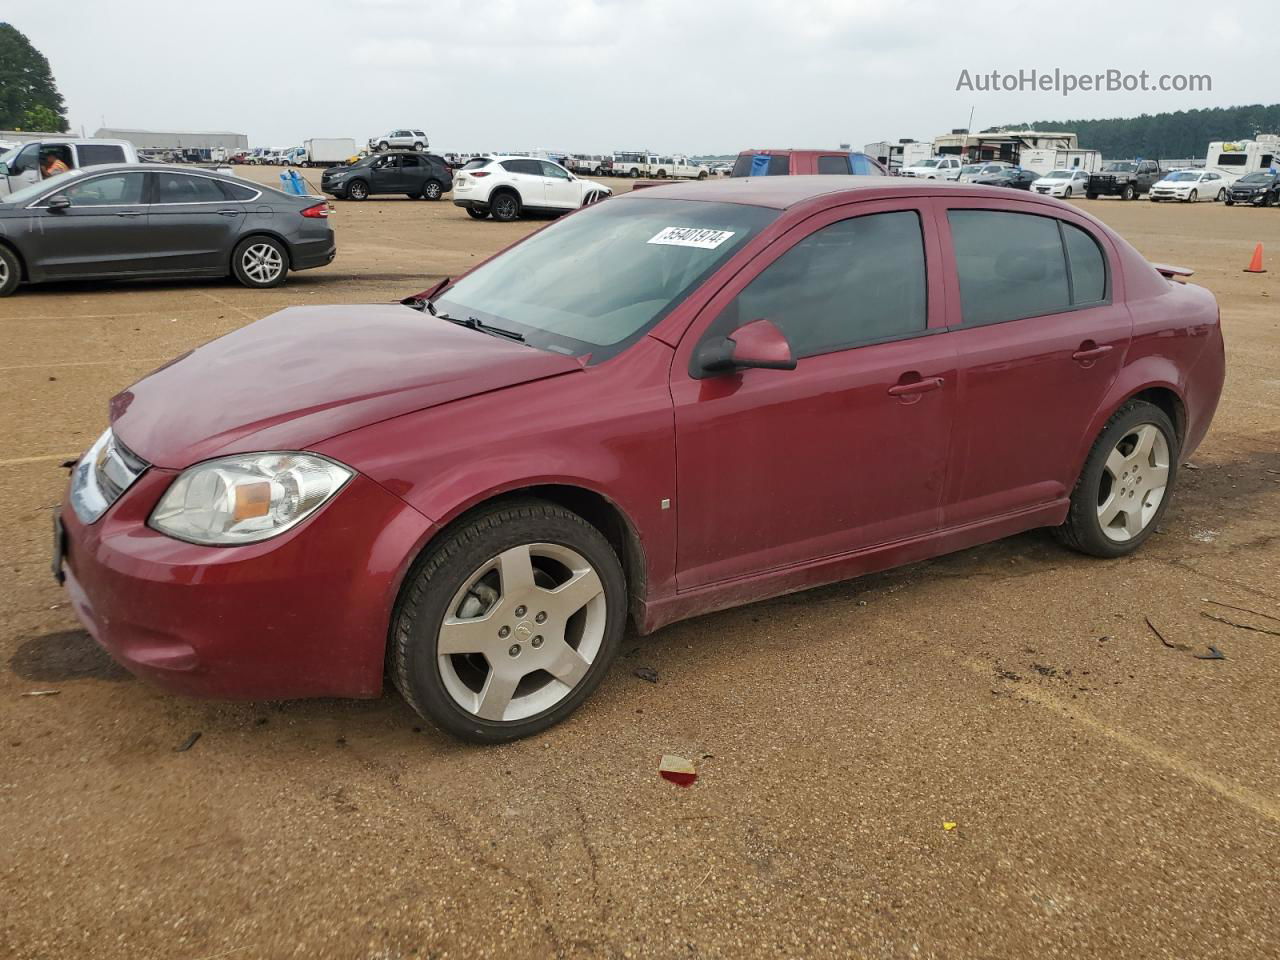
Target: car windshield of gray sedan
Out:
[29,193]
[595,282]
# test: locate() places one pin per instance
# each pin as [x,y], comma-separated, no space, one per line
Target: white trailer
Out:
[327,151]
[1044,159]
[914,152]
[1234,158]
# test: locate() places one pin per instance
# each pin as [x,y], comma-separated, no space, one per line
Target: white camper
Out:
[1042,160]
[1235,158]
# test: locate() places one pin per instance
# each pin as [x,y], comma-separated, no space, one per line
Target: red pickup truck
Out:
[789,162]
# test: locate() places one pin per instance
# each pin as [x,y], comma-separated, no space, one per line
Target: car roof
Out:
[783,192]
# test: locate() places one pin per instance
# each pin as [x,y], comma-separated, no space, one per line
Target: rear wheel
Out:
[357,190]
[510,623]
[477,214]
[10,272]
[432,190]
[260,262]
[505,206]
[1124,487]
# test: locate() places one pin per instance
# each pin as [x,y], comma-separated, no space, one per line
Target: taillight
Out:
[479,173]
[317,212]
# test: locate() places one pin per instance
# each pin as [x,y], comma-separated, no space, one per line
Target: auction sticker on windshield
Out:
[692,237]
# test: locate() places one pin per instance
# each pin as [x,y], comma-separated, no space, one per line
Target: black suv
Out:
[1126,179]
[416,175]
[1260,189]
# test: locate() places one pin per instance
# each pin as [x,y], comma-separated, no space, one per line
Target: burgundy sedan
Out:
[668,403]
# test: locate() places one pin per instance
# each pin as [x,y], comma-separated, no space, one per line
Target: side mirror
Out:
[58,202]
[756,345]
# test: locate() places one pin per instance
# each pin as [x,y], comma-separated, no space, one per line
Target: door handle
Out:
[130,213]
[914,388]
[1090,351]
[229,213]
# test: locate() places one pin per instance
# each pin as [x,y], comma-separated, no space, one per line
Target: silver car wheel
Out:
[1133,482]
[522,632]
[262,263]
[4,272]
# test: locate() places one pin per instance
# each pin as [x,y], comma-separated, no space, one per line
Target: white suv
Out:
[399,140]
[509,186]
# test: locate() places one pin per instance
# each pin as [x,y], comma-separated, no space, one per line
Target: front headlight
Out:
[246,498]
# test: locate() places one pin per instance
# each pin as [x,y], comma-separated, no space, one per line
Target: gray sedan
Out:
[133,221]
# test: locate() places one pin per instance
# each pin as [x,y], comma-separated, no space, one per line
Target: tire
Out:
[1067,194]
[383,146]
[1193,196]
[634,173]
[432,190]
[10,271]
[260,262]
[1090,196]
[1094,525]
[357,190]
[1222,195]
[477,214]
[702,174]
[505,206]
[469,692]
[414,196]
[1229,202]
[662,174]
[417,146]
[1128,193]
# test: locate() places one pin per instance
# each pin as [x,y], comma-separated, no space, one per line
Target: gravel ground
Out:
[1111,797]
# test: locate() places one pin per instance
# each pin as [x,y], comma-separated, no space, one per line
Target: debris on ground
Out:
[41,693]
[188,743]
[1213,654]
[1190,466]
[948,825]
[646,673]
[1167,643]
[678,770]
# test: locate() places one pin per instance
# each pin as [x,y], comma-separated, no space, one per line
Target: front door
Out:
[559,189]
[192,223]
[102,233]
[850,449]
[387,175]
[1039,343]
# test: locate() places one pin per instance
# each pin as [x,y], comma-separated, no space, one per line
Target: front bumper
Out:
[304,614]
[1254,198]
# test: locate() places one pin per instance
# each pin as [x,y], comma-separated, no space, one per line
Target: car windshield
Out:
[1183,175]
[1119,167]
[597,281]
[971,168]
[29,193]
[929,163]
[1258,178]
[1058,175]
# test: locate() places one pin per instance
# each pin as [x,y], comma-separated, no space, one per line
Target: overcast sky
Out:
[696,76]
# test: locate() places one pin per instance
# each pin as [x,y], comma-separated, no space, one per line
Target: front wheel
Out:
[1124,487]
[1067,193]
[1128,193]
[1229,202]
[1222,195]
[260,262]
[1090,196]
[477,214]
[1193,196]
[507,626]
[384,145]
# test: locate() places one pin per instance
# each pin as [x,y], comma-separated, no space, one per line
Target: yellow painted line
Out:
[84,363]
[46,458]
[1264,806]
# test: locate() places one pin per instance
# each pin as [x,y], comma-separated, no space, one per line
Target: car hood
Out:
[306,374]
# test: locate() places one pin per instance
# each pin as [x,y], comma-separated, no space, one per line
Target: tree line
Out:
[1178,135]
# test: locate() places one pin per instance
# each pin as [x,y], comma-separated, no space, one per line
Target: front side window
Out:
[863,167]
[832,165]
[851,283]
[118,188]
[550,169]
[180,188]
[595,282]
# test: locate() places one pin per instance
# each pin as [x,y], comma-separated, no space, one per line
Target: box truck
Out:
[327,151]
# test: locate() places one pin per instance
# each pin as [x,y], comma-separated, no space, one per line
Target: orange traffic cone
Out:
[1255,265]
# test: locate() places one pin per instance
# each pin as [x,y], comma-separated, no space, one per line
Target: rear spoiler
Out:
[1172,272]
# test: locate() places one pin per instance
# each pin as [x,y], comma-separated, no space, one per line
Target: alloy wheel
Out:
[262,263]
[4,272]
[522,632]
[504,207]
[1133,483]
[431,191]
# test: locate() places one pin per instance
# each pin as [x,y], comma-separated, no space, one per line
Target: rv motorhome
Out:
[1235,158]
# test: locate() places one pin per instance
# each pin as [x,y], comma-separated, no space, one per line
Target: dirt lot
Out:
[1112,797]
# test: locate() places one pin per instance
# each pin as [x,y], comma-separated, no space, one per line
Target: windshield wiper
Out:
[473,324]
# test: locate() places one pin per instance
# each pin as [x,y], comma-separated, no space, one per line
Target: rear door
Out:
[526,177]
[192,223]
[1039,341]
[103,233]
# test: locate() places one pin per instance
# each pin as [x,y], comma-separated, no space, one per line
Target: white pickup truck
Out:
[21,165]
[935,168]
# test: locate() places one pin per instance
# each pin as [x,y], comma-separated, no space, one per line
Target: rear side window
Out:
[833,164]
[92,154]
[852,283]
[236,191]
[762,165]
[180,188]
[1010,265]
[1088,269]
[523,166]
